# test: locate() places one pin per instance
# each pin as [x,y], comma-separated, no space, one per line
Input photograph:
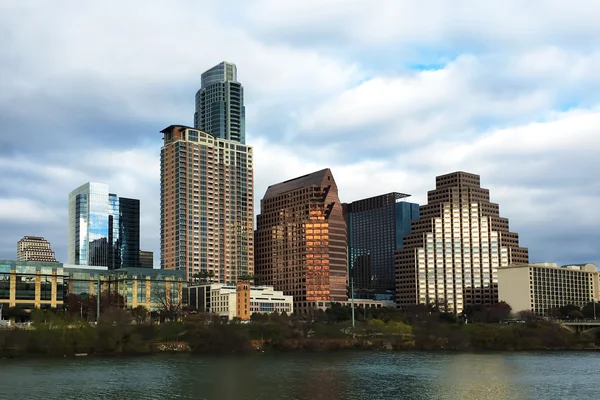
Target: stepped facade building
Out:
[456,247]
[34,248]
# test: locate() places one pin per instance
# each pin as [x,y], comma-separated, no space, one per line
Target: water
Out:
[343,375]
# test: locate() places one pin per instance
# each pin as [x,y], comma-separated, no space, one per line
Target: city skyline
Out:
[519,108]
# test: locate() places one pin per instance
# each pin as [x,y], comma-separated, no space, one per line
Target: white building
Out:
[221,299]
[544,286]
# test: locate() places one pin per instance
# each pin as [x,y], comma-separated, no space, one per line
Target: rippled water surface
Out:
[514,376]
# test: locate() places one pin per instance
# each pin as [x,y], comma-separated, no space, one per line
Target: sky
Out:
[386,93]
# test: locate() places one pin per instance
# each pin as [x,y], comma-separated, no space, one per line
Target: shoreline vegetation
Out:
[130,332]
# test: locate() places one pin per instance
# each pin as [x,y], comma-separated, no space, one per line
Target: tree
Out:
[167,300]
[588,310]
[139,314]
[575,314]
[499,312]
[565,310]
[196,277]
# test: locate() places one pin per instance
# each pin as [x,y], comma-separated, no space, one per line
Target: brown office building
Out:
[207,205]
[456,246]
[300,241]
[34,248]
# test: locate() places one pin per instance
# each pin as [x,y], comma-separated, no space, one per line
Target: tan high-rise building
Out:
[207,205]
[301,241]
[34,248]
[456,246]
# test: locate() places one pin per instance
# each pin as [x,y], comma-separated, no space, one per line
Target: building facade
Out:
[146,259]
[238,301]
[376,228]
[301,241]
[456,247]
[31,285]
[102,231]
[220,107]
[34,248]
[544,287]
[207,205]
[129,233]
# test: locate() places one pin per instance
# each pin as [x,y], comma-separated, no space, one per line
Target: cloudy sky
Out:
[388,94]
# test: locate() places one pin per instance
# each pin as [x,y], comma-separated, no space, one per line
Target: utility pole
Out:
[98,303]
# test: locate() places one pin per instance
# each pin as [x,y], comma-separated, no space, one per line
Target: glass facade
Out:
[220,107]
[32,285]
[376,228]
[96,226]
[129,233]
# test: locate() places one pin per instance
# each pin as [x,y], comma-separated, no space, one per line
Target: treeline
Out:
[121,331]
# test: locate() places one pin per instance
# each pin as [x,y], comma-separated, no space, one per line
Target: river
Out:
[341,375]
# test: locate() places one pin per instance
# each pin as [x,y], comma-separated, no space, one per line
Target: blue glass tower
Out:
[97,226]
[376,228]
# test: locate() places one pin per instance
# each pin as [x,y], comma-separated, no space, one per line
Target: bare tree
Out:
[168,300]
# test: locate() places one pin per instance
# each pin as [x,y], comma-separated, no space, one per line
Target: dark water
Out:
[514,376]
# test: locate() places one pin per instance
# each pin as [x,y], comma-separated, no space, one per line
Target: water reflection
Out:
[481,376]
[352,376]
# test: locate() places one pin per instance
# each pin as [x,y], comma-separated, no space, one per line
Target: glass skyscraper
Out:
[129,232]
[99,221]
[220,107]
[376,229]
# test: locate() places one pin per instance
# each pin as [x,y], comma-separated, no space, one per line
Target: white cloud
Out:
[326,85]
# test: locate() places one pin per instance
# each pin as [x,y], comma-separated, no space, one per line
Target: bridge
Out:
[579,325]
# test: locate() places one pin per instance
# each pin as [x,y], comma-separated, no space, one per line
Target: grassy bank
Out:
[119,333]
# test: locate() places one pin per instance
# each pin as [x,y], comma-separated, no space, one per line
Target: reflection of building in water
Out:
[376,228]
[456,246]
[492,377]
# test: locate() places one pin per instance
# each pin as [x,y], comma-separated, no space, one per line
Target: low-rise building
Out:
[223,300]
[545,286]
[31,284]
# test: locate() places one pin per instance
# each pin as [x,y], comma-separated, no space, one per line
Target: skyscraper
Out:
[301,241]
[220,104]
[207,205]
[98,224]
[376,228]
[456,246]
[129,232]
[34,248]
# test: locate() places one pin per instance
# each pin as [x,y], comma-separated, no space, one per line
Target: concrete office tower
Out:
[207,205]
[301,241]
[456,246]
[376,228]
[220,104]
[102,231]
[34,248]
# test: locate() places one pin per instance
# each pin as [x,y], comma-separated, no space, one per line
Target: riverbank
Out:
[117,334]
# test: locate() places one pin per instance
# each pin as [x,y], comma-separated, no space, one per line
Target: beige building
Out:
[223,300]
[34,248]
[456,246]
[207,205]
[545,286]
